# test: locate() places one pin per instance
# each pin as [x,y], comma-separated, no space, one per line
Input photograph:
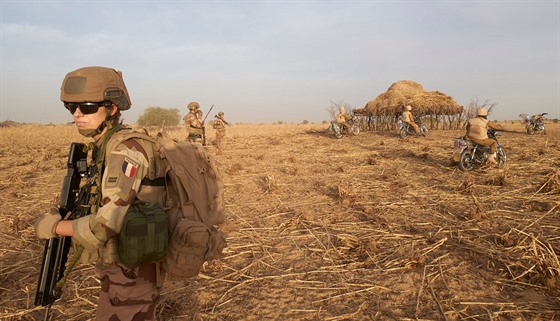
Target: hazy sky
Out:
[268,61]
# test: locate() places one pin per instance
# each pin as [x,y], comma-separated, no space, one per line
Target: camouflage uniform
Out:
[408,118]
[193,122]
[118,165]
[126,294]
[220,126]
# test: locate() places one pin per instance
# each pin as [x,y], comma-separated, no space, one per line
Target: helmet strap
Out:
[108,122]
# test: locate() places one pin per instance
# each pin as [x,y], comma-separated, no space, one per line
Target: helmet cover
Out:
[193,105]
[95,84]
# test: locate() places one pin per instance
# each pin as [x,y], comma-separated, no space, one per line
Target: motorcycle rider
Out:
[477,131]
[538,118]
[408,118]
[342,117]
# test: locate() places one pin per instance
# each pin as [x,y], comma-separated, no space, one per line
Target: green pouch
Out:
[144,235]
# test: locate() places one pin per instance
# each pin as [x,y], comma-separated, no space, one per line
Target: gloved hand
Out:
[46,225]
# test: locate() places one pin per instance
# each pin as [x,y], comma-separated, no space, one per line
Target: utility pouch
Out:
[191,244]
[144,235]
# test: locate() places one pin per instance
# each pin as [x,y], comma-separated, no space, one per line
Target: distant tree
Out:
[473,107]
[157,116]
[305,121]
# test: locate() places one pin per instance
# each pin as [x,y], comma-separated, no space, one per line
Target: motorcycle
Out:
[406,130]
[535,125]
[469,154]
[340,130]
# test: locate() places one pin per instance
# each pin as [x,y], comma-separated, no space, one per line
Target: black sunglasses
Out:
[85,108]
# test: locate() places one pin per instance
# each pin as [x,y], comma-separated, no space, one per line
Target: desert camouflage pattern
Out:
[220,127]
[95,84]
[193,124]
[126,294]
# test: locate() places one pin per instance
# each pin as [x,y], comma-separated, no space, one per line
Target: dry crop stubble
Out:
[364,227]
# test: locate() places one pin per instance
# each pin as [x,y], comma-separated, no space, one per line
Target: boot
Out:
[492,159]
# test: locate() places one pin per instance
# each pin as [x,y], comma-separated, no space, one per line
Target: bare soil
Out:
[368,227]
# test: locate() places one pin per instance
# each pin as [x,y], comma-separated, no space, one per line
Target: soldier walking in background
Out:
[220,126]
[193,122]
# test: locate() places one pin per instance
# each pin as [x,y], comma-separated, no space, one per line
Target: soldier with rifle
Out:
[91,215]
[194,123]
[219,126]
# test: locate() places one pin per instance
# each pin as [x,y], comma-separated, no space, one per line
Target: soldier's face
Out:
[93,120]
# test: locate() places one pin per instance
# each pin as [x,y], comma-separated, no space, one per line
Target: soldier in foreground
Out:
[95,96]
[220,126]
[193,122]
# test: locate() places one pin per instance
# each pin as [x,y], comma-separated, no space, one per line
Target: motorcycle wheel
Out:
[424,131]
[501,156]
[466,163]
[530,131]
[355,129]
[403,132]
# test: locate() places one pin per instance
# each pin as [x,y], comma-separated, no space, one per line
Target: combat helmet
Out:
[482,112]
[408,107]
[95,84]
[221,114]
[193,105]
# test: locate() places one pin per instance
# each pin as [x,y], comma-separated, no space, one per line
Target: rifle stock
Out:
[56,250]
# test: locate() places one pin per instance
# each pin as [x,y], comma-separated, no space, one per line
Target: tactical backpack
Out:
[193,201]
[195,206]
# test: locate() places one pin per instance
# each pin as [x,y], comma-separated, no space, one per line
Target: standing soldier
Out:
[95,96]
[220,127]
[193,122]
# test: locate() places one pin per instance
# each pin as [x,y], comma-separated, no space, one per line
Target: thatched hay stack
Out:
[408,92]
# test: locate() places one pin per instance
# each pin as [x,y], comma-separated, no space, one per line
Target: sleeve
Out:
[125,168]
[494,125]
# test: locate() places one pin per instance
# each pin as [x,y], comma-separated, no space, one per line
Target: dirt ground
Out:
[369,227]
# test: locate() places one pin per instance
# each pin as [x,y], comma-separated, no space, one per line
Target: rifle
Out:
[203,128]
[55,254]
[225,122]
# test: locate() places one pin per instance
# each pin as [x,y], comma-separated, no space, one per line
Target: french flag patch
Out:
[129,168]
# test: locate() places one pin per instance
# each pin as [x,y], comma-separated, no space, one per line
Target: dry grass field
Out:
[370,227]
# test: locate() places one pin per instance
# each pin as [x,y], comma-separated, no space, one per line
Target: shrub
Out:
[157,116]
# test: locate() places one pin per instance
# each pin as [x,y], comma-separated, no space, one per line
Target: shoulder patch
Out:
[129,167]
